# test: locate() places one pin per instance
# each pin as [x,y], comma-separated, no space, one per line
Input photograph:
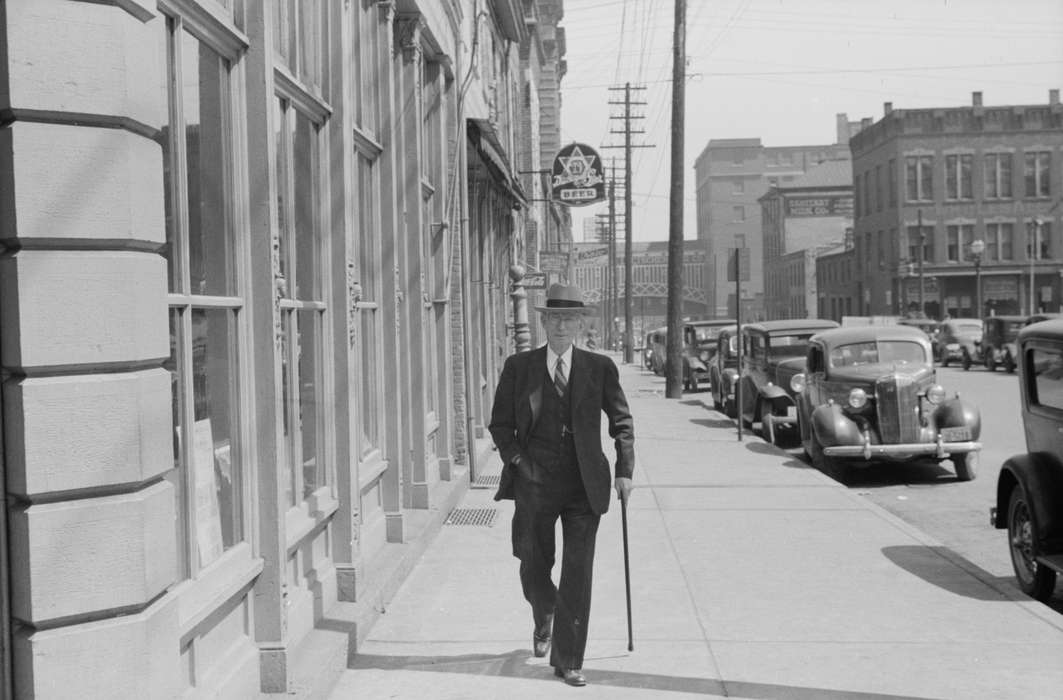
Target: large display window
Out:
[206,304]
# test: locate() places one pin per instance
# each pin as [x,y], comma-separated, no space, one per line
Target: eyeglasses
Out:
[559,318]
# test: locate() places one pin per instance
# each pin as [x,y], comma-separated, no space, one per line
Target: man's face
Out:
[562,329]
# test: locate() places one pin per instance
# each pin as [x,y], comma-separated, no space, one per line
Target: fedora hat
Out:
[563,297]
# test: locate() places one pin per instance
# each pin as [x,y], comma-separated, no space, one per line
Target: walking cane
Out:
[627,573]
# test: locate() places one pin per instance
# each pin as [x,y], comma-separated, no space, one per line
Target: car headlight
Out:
[935,394]
[858,398]
[797,383]
[704,356]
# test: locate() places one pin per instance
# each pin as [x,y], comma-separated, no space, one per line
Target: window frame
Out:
[304,512]
[199,585]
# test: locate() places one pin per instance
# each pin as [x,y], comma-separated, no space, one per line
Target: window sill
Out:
[308,516]
[370,469]
[198,598]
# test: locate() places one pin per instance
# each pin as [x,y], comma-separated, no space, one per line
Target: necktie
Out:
[559,377]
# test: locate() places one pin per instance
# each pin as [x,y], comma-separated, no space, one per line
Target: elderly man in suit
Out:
[546,423]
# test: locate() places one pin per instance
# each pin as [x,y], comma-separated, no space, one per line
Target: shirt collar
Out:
[551,360]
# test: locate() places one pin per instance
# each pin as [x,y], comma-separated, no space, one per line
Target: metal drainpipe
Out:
[466,293]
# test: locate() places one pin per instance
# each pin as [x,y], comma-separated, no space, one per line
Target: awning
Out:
[483,137]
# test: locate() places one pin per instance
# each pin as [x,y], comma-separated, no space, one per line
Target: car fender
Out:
[831,426]
[1041,476]
[695,363]
[956,413]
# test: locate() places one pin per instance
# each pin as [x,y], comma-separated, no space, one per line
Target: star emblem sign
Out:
[578,169]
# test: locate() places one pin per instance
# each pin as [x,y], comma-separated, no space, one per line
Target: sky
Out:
[781,70]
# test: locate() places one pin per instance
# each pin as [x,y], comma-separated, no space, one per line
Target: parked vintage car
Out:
[1029,501]
[928,325]
[723,372]
[699,347]
[956,336]
[870,393]
[997,346]
[657,350]
[772,353]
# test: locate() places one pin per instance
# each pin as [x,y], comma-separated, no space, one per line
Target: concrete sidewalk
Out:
[753,576]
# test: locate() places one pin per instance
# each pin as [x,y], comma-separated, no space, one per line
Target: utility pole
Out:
[628,259]
[673,387]
[612,253]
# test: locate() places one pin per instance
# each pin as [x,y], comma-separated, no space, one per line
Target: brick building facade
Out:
[730,177]
[963,174]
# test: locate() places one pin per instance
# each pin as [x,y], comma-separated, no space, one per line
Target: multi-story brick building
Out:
[930,182]
[730,177]
[802,219]
[253,303]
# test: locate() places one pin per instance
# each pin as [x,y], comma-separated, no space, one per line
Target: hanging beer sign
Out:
[577,176]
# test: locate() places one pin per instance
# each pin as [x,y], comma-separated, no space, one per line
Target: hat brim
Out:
[585,310]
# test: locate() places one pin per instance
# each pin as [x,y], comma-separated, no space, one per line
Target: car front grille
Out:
[897,398]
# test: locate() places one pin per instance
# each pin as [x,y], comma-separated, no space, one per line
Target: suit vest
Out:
[551,444]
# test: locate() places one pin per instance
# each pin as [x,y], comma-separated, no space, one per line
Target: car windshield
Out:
[1012,328]
[877,352]
[783,346]
[704,333]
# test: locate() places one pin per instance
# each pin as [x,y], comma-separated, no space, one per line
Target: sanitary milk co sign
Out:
[577,176]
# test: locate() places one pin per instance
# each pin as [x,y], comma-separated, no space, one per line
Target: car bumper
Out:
[869,451]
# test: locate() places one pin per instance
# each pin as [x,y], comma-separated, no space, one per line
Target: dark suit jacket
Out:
[594,386]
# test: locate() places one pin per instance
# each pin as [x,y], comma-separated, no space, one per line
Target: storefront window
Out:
[302,306]
[205,309]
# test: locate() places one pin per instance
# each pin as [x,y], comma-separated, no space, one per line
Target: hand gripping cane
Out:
[627,574]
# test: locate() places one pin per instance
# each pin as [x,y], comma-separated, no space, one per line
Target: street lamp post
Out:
[977,248]
[922,251]
[1034,238]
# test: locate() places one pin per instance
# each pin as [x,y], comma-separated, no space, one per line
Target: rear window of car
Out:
[1048,377]
[880,352]
[968,329]
[781,346]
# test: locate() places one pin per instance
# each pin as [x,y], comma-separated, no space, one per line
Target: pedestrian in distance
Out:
[546,423]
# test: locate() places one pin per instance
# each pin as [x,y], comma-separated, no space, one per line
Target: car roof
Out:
[791,324]
[713,322]
[962,319]
[857,334]
[1008,318]
[1050,329]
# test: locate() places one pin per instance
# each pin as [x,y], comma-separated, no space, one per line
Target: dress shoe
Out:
[540,644]
[541,637]
[572,676]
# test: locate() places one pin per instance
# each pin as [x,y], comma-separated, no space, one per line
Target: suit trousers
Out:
[538,507]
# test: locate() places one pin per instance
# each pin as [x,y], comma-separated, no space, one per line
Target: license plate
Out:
[955,434]
[791,412]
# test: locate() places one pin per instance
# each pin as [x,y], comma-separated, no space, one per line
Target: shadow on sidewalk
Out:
[514,664]
[937,565]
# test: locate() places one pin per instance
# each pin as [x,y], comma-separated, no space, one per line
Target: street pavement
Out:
[752,576]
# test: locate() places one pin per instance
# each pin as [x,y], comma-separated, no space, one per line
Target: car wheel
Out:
[834,468]
[694,382]
[1035,580]
[944,359]
[767,425]
[990,363]
[966,465]
[966,361]
[729,408]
